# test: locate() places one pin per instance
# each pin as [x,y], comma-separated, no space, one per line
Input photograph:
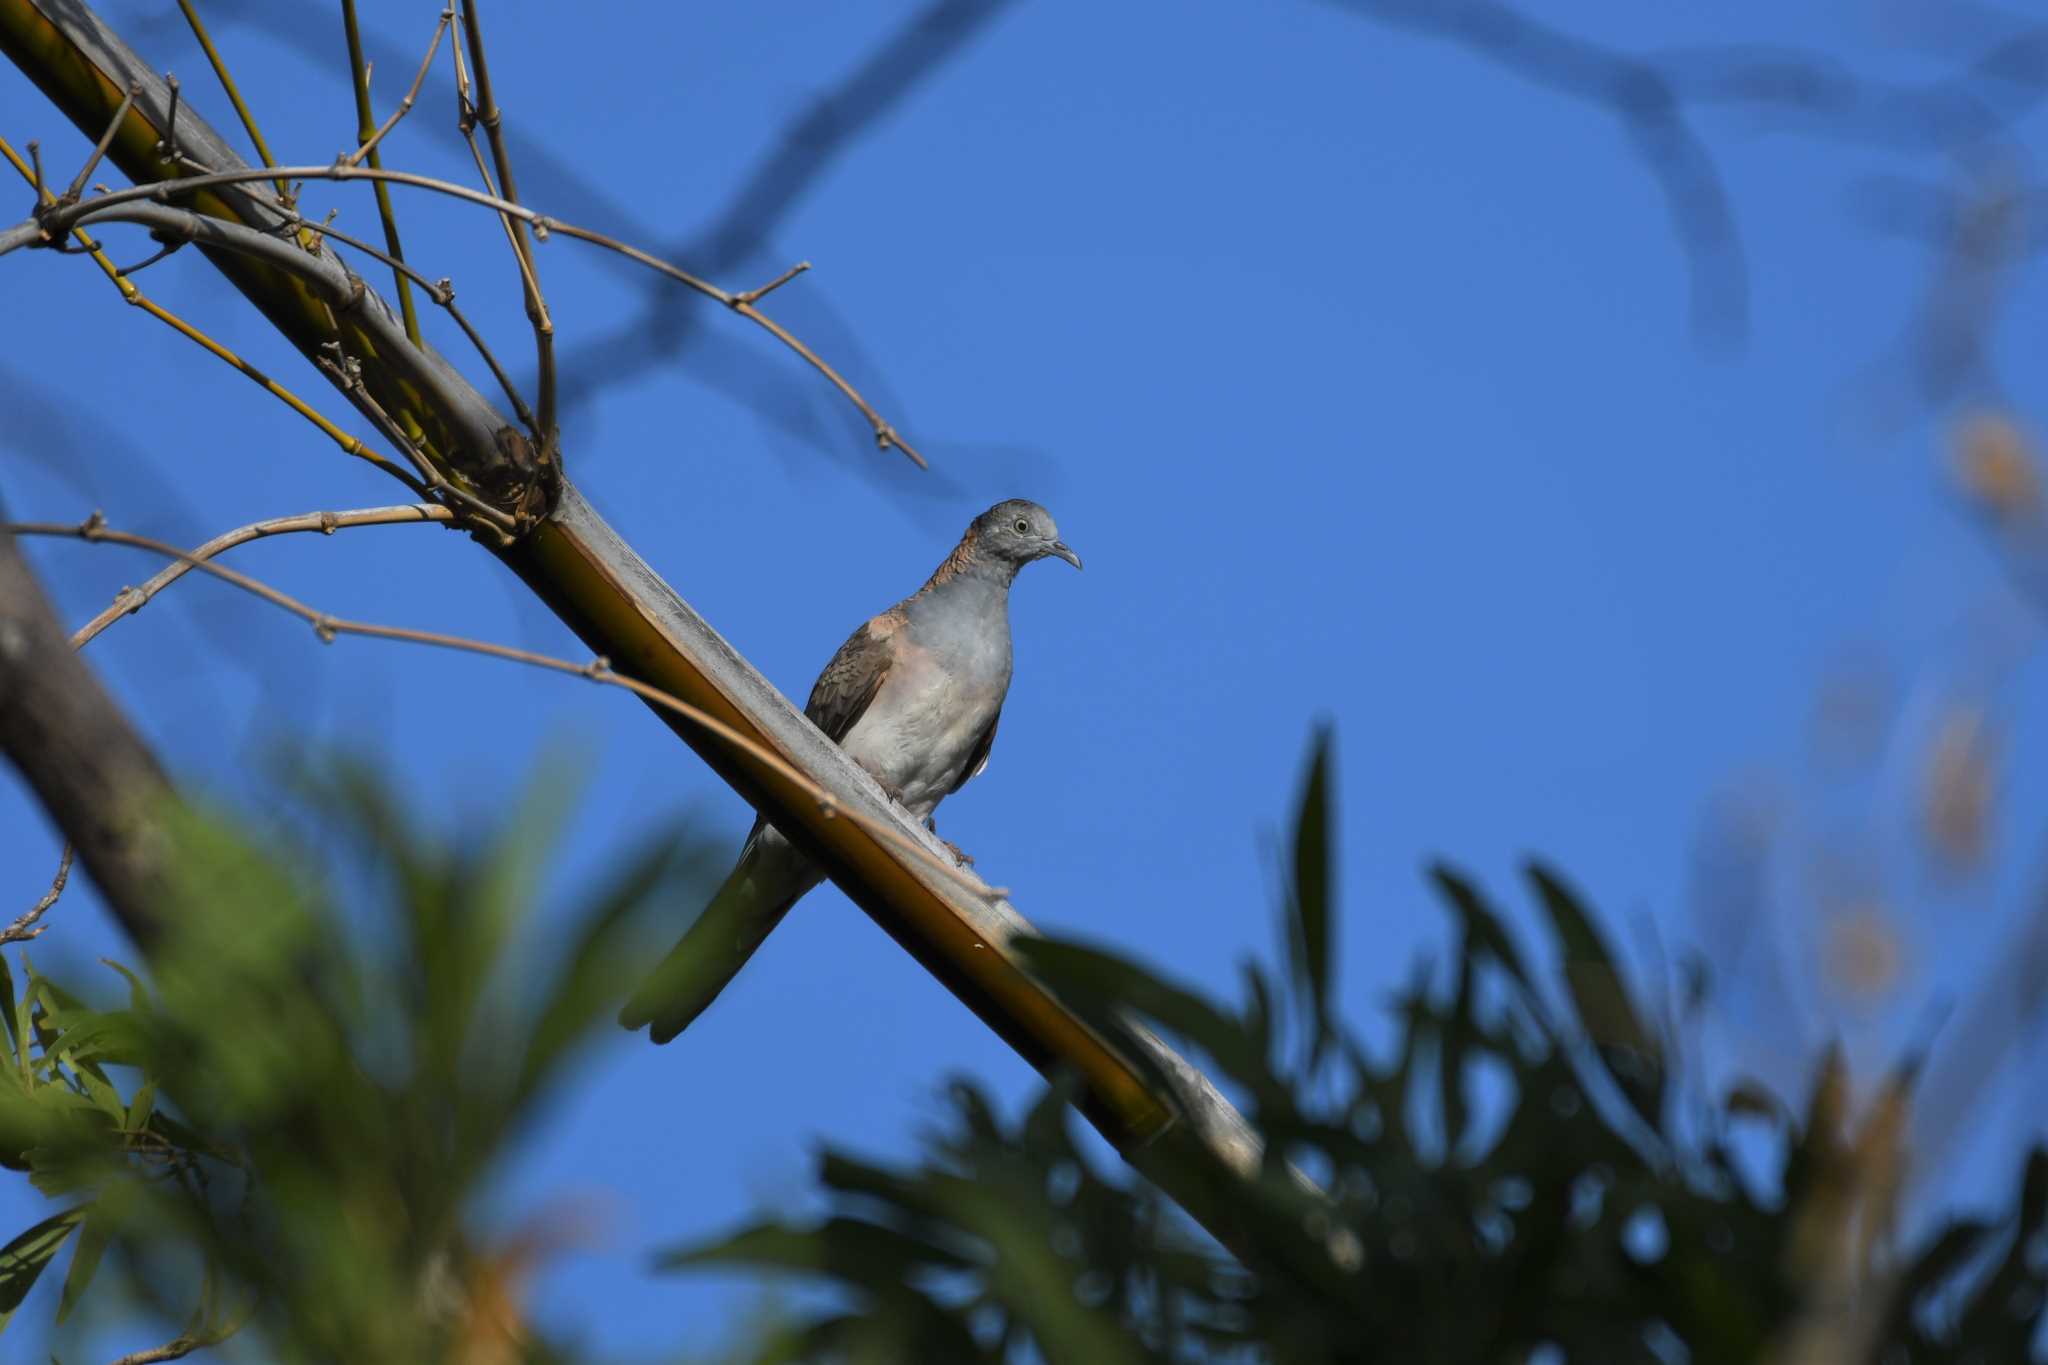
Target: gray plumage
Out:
[914,697]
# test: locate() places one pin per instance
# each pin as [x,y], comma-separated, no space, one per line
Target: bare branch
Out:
[77,186]
[755,295]
[176,1349]
[131,600]
[119,205]
[328,627]
[227,83]
[486,112]
[349,444]
[100,783]
[368,137]
[346,374]
[345,293]
[442,292]
[26,927]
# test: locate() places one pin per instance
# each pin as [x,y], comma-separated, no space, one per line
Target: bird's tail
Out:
[769,878]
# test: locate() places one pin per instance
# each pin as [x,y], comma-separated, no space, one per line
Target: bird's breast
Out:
[927,718]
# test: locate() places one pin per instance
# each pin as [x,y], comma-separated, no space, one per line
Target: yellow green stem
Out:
[366,128]
[134,295]
[227,83]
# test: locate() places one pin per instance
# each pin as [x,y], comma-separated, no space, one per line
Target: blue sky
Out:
[1363,373]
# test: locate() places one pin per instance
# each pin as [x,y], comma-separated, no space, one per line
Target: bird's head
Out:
[1017,532]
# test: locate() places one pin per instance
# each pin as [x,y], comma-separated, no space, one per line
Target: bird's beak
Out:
[1059,547]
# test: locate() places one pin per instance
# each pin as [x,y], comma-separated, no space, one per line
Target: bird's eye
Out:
[1022,526]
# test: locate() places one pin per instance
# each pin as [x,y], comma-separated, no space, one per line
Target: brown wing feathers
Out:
[849,683]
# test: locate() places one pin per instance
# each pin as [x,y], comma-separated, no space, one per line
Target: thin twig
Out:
[145,263]
[756,295]
[163,192]
[167,145]
[128,601]
[77,186]
[599,670]
[487,112]
[25,927]
[368,136]
[349,444]
[347,375]
[227,83]
[442,292]
[176,1349]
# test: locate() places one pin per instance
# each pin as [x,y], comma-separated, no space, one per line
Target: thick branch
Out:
[91,771]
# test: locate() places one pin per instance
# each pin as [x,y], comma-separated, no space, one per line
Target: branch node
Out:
[167,145]
[323,627]
[329,523]
[752,296]
[597,668]
[91,527]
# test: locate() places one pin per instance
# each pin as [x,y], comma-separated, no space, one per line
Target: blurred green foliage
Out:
[1528,1172]
[286,1133]
[284,1137]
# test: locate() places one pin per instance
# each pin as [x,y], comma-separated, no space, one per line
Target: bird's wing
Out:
[978,759]
[849,683]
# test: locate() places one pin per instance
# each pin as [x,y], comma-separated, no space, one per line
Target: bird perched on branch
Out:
[913,697]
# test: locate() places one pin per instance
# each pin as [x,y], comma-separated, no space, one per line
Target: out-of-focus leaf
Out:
[2004,1314]
[1106,982]
[15,1035]
[23,1260]
[1309,891]
[140,1107]
[1600,994]
[1817,1149]
[1258,1010]
[1749,1099]
[138,994]
[853,1250]
[585,986]
[1036,1282]
[1483,929]
[93,1237]
[1454,1044]
[103,1094]
[1950,1250]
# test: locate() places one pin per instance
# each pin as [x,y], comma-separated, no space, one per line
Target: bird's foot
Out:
[963,859]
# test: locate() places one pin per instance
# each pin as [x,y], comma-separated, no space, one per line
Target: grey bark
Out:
[88,767]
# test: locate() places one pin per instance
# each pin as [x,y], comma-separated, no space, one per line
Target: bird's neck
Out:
[966,571]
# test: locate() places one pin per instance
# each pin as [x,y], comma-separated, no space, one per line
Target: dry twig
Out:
[349,444]
[442,292]
[131,600]
[484,109]
[109,206]
[227,83]
[26,926]
[367,138]
[176,1349]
